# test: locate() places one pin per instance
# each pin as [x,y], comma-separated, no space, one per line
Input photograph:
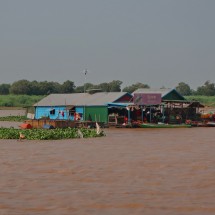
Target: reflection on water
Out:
[130,171]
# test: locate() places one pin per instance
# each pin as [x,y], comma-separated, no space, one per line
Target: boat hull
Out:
[210,124]
[150,125]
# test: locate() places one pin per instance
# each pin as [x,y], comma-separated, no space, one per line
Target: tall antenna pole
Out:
[85,79]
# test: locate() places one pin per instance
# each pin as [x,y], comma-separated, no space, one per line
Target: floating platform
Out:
[50,123]
[39,123]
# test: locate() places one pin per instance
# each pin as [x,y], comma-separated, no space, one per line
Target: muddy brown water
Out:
[130,171]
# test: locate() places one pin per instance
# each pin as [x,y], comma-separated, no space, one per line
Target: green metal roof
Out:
[166,94]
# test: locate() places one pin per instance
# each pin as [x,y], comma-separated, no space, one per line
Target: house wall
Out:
[60,112]
[96,113]
[41,112]
[125,98]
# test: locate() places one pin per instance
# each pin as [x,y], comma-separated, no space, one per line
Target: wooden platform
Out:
[39,123]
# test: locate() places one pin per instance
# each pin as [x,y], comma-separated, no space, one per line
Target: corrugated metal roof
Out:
[80,99]
[163,92]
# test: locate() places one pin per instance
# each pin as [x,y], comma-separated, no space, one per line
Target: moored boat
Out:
[210,124]
[162,125]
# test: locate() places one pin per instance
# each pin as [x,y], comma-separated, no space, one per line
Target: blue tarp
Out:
[47,126]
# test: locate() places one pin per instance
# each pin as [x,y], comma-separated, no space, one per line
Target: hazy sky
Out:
[156,42]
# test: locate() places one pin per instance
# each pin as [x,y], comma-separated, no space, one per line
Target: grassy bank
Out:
[206,100]
[18,100]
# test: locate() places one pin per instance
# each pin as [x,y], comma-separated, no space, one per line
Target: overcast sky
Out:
[156,42]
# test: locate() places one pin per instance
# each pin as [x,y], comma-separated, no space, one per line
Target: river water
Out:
[129,171]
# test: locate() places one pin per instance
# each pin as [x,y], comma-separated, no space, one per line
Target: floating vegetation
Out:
[48,134]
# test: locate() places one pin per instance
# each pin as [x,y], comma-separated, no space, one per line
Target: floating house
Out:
[115,108]
[79,106]
[172,107]
[148,101]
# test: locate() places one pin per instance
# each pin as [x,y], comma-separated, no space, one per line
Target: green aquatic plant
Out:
[47,134]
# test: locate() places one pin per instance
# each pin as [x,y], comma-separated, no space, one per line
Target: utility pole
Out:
[85,79]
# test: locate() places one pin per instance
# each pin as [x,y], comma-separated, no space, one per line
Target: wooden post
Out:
[142,113]
[129,116]
[150,113]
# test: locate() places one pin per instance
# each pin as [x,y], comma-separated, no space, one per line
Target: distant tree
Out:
[85,87]
[193,92]
[26,87]
[79,89]
[34,85]
[21,87]
[68,87]
[4,89]
[208,89]
[104,87]
[46,88]
[88,86]
[183,89]
[133,87]
[115,86]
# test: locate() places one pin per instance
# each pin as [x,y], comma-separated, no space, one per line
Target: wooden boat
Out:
[210,124]
[151,125]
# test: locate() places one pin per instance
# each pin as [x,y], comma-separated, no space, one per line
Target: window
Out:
[52,111]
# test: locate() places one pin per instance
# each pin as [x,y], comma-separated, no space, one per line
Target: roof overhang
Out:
[176,101]
[112,104]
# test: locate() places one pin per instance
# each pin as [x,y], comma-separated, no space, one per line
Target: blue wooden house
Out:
[79,106]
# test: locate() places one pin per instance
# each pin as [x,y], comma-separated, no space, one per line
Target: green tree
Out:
[115,86]
[133,87]
[184,89]
[85,87]
[79,89]
[104,87]
[88,86]
[34,85]
[21,87]
[46,88]
[4,89]
[208,89]
[68,87]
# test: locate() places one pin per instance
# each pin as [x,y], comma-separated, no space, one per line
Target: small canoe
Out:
[151,125]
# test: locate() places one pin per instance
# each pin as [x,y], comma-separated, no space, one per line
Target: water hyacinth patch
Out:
[47,134]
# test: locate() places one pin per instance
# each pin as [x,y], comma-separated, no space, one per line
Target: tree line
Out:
[25,87]
[207,89]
